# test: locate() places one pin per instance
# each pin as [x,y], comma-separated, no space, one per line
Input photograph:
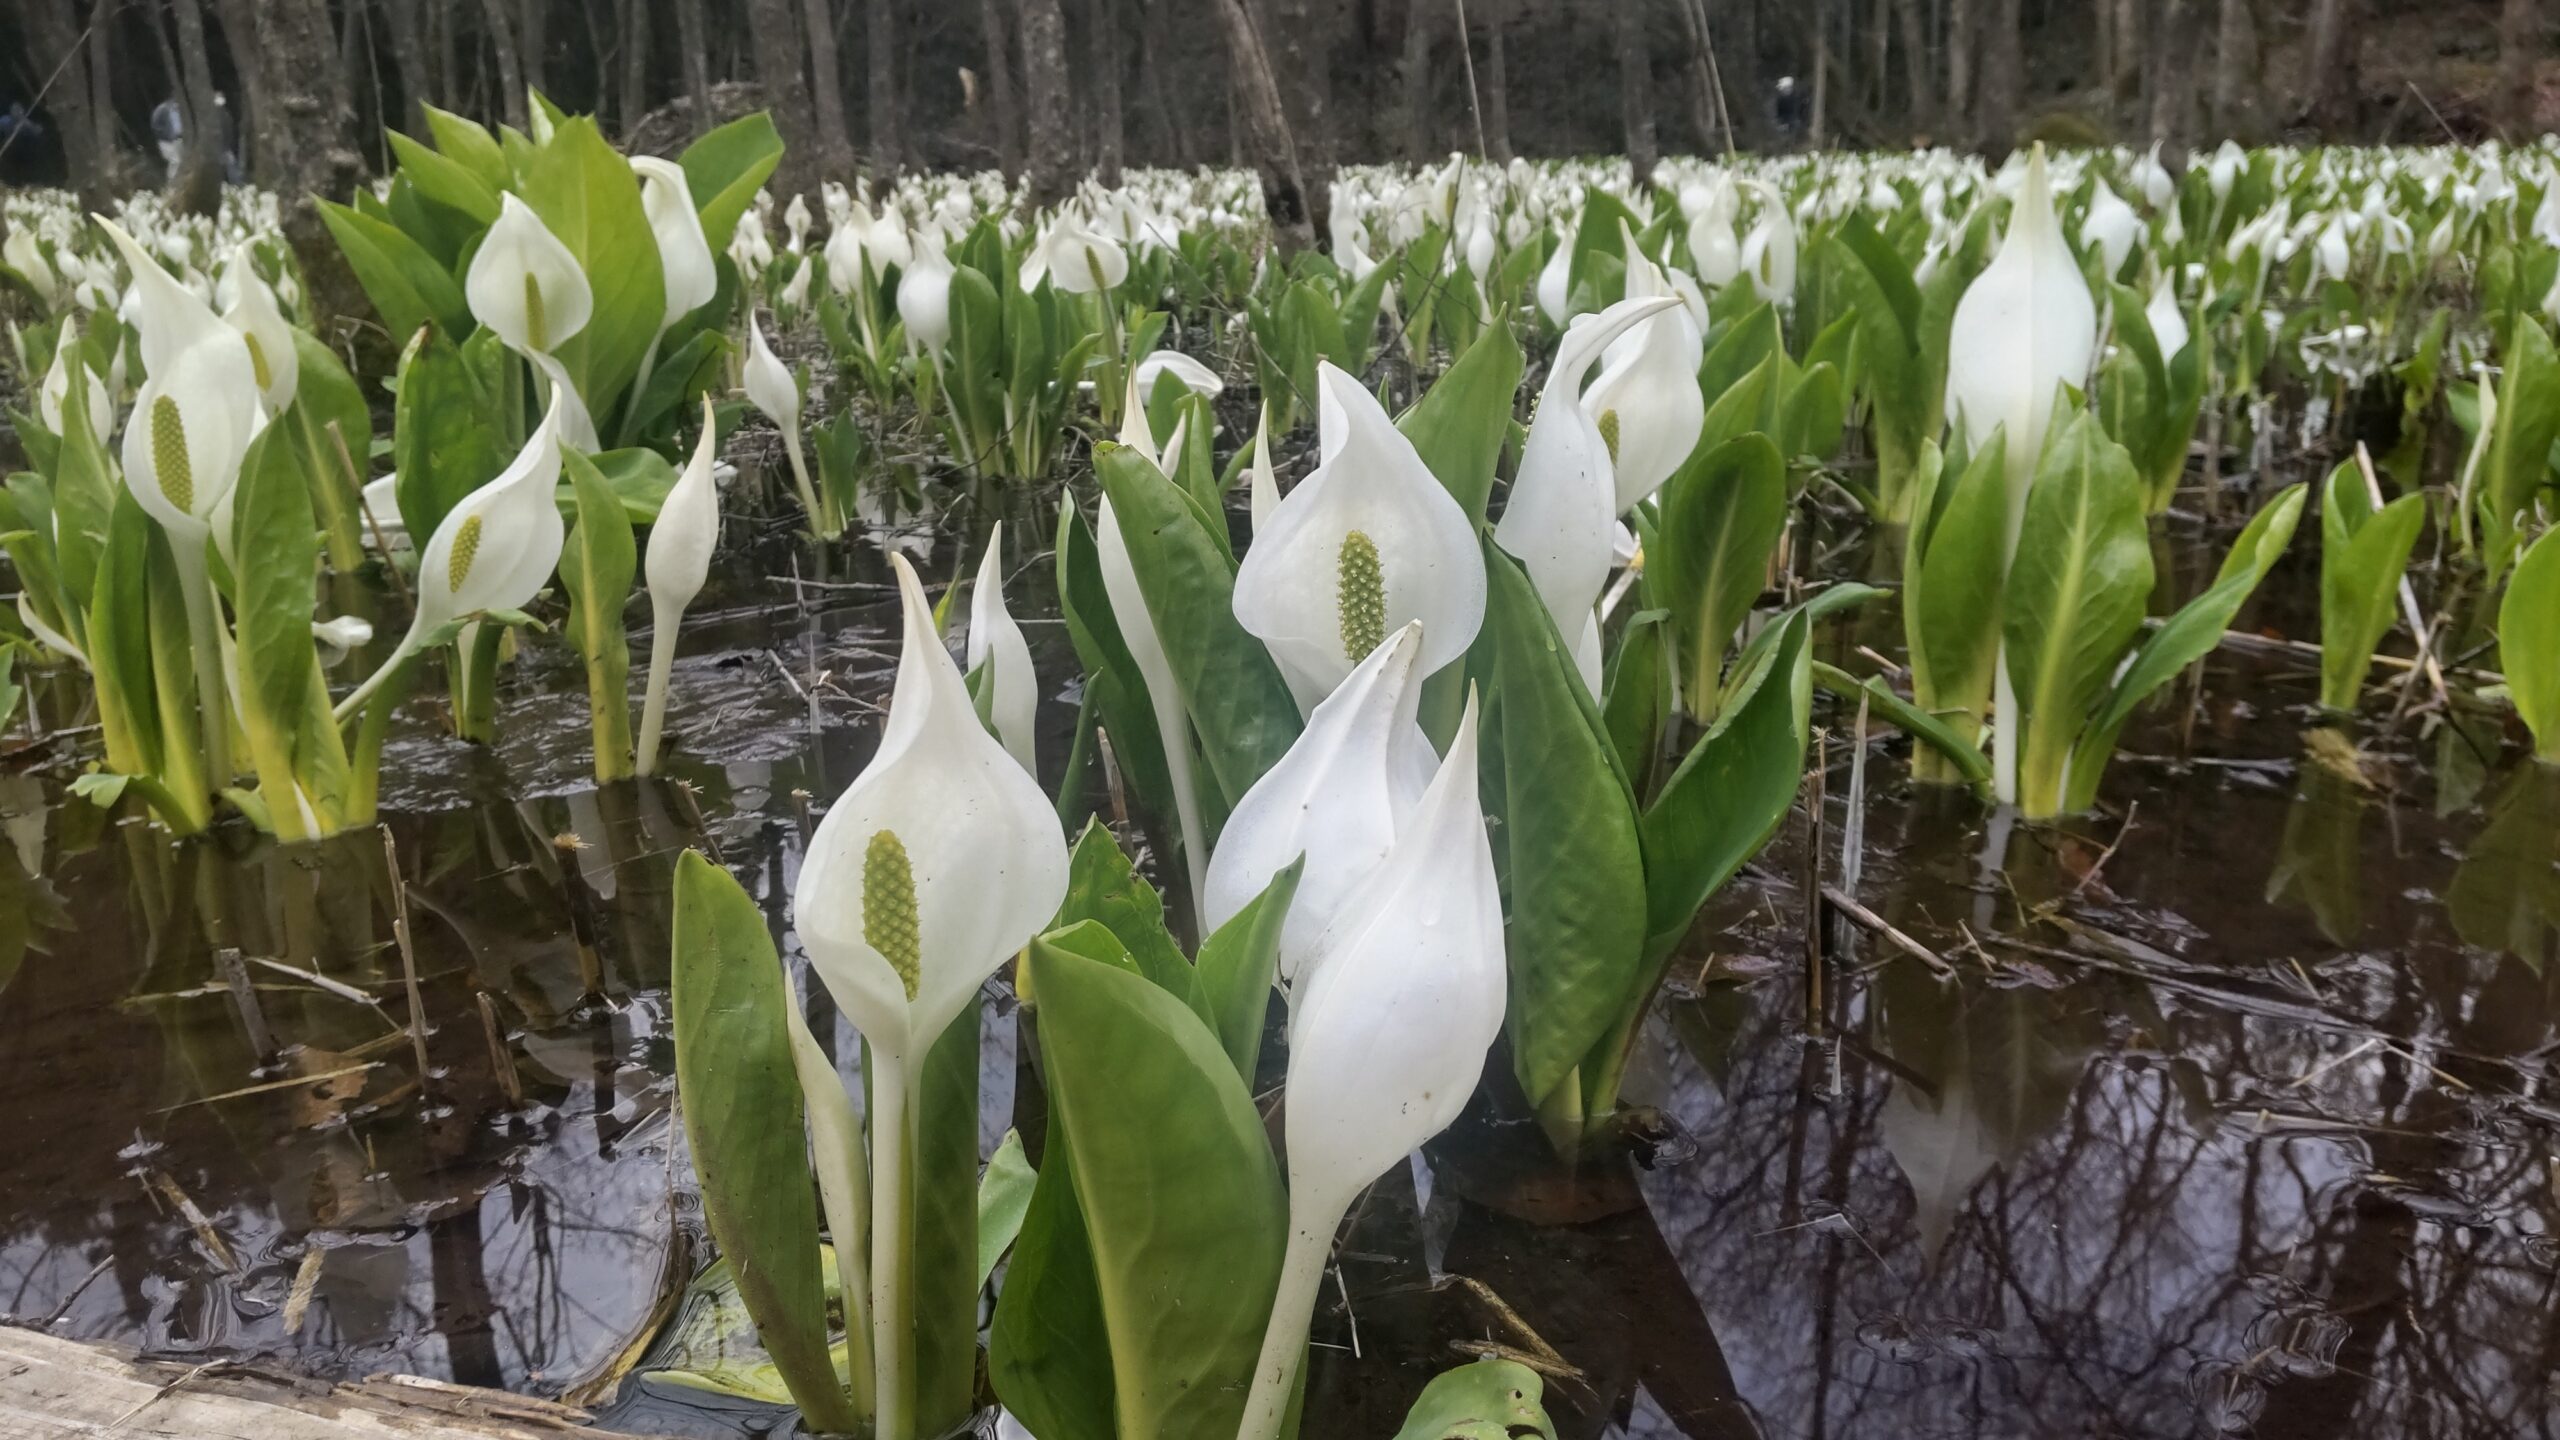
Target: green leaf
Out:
[1103,886]
[446,439]
[1728,797]
[284,699]
[2363,554]
[325,394]
[1459,427]
[1488,1400]
[2074,601]
[943,1270]
[596,566]
[1049,1350]
[1231,985]
[470,143]
[446,181]
[713,1346]
[1959,750]
[1575,936]
[724,170]
[1111,674]
[1952,583]
[1636,699]
[1004,1197]
[1180,1196]
[408,288]
[2518,462]
[1722,513]
[745,1123]
[588,196]
[2529,643]
[2184,638]
[1238,703]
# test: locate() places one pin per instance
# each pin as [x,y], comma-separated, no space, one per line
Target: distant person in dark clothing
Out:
[1790,108]
[30,153]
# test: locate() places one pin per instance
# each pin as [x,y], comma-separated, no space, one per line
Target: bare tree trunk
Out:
[1001,119]
[1110,134]
[1820,132]
[199,185]
[1915,65]
[888,144]
[100,56]
[2124,83]
[694,45]
[1417,81]
[2003,78]
[1301,36]
[534,43]
[1050,114]
[1266,128]
[1879,77]
[2235,56]
[502,39]
[1496,78]
[2333,81]
[407,25]
[635,62]
[1173,143]
[2173,72]
[2519,49]
[57,43]
[826,86]
[776,32]
[1964,37]
[306,126]
[1635,87]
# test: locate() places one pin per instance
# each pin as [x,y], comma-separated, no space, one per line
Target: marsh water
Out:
[2225,1110]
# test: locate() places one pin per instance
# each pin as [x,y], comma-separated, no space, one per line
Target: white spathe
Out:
[1338,797]
[996,642]
[1289,590]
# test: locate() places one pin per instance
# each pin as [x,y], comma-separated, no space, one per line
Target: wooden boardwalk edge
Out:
[51,1388]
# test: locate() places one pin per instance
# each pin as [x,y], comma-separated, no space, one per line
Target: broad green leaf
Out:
[1103,886]
[1952,584]
[1111,675]
[408,288]
[2184,638]
[1575,933]
[446,181]
[1637,695]
[1729,795]
[724,170]
[1458,427]
[596,566]
[1181,1198]
[1004,1197]
[1488,1400]
[470,143]
[943,1272]
[745,1123]
[713,1346]
[446,436]
[1049,1349]
[284,700]
[2074,600]
[1960,751]
[588,196]
[325,394]
[2529,643]
[1722,514]
[2363,554]
[1231,985]
[1239,705]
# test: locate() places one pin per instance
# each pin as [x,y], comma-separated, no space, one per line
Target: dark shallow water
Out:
[2235,1116]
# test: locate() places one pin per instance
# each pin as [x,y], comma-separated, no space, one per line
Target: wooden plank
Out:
[51,1388]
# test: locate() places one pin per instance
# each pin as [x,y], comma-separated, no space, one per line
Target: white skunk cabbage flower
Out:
[55,391]
[924,294]
[1646,400]
[1080,261]
[1366,543]
[1565,503]
[1386,1041]
[2024,326]
[2168,322]
[530,291]
[2110,227]
[2151,178]
[494,551]
[198,407]
[1769,251]
[252,311]
[941,860]
[677,562]
[684,252]
[996,642]
[1555,279]
[525,285]
[1347,786]
[1189,373]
